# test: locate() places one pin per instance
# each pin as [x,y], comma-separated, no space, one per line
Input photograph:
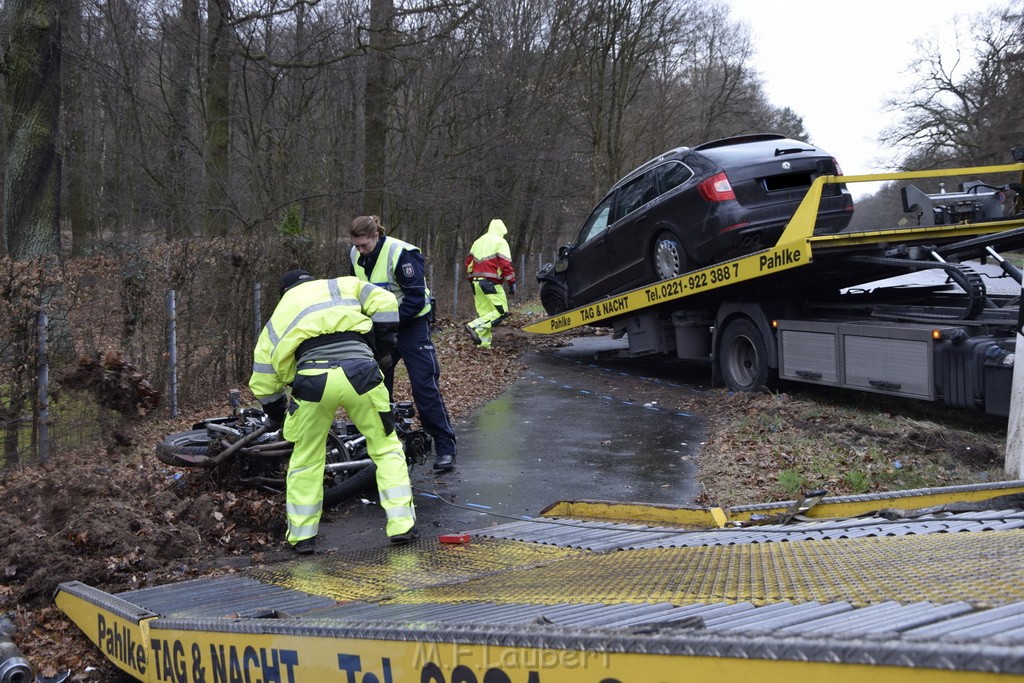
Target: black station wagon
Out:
[688,208]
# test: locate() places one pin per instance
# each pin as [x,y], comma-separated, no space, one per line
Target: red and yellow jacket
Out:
[490,256]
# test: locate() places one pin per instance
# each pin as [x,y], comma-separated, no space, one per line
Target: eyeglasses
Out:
[363,244]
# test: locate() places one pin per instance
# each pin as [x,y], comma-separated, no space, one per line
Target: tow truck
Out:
[800,310]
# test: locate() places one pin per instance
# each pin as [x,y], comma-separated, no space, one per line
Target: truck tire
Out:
[743,356]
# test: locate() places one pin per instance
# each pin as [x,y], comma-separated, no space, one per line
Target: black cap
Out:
[294,277]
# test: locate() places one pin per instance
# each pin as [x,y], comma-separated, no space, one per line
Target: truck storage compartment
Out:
[880,357]
[693,335]
[808,351]
[648,333]
[889,359]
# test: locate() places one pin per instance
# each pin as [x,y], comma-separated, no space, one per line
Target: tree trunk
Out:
[184,36]
[31,201]
[378,100]
[218,112]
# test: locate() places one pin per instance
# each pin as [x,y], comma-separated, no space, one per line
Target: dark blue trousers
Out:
[417,351]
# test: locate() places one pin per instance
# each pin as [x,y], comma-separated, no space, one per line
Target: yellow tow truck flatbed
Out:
[920,585]
[797,250]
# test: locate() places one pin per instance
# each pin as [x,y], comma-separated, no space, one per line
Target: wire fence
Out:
[91,342]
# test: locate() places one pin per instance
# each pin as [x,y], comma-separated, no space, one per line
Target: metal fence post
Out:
[172,351]
[455,291]
[44,389]
[256,317]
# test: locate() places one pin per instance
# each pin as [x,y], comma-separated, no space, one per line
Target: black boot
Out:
[444,462]
[306,546]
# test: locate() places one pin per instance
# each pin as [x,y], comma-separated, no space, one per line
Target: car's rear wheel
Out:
[668,259]
[743,356]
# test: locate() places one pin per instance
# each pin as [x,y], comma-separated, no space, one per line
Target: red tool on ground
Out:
[459,539]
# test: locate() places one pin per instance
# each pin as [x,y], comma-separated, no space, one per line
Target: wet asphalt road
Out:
[558,433]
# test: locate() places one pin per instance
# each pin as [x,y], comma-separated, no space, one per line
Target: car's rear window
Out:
[672,174]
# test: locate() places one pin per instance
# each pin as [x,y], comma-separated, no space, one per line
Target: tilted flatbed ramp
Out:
[920,585]
[799,258]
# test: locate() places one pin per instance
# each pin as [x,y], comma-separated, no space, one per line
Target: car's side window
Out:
[598,221]
[672,174]
[635,194]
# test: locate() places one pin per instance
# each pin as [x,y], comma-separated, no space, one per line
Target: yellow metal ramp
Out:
[921,585]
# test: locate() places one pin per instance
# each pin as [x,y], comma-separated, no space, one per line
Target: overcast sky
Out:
[835,63]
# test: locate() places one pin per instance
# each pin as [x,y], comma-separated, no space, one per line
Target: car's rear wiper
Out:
[791,150]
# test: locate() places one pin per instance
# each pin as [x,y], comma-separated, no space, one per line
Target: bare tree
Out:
[31,67]
[963,109]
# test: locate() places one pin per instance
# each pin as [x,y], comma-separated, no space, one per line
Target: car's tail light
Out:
[716,188]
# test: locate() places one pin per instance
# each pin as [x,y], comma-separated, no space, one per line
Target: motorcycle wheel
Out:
[340,488]
[182,448]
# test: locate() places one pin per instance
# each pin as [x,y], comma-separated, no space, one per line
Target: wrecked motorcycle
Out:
[240,446]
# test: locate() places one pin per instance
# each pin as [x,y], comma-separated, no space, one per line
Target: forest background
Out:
[201,148]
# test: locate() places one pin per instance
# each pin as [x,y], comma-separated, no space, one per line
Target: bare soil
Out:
[113,517]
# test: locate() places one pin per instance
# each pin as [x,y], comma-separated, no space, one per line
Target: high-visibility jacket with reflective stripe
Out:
[383,274]
[490,256]
[311,309]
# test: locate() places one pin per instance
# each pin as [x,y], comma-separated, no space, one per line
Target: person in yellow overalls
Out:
[488,267]
[324,339]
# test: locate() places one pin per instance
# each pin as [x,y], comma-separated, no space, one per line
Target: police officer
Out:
[488,267]
[321,340]
[398,266]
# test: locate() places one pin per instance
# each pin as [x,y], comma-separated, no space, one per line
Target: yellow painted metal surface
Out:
[176,655]
[389,571]
[980,568]
[636,512]
[783,256]
[861,571]
[861,505]
[708,518]
[125,642]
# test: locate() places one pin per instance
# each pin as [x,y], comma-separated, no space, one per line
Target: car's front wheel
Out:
[552,298]
[668,259]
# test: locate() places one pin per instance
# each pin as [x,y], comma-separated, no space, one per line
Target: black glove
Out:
[385,362]
[275,412]
[512,289]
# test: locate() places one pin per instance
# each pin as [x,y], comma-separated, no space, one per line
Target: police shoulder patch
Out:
[407,270]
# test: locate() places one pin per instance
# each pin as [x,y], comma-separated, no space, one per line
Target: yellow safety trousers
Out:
[307,428]
[490,308]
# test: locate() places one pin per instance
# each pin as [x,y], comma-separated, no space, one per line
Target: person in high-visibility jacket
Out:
[488,267]
[324,339]
[398,267]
